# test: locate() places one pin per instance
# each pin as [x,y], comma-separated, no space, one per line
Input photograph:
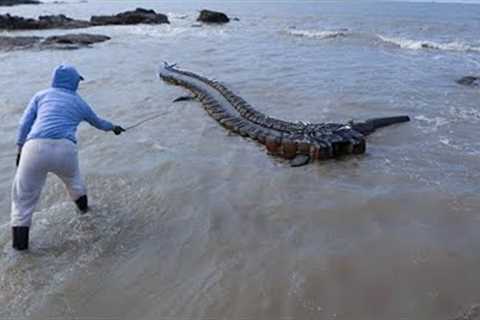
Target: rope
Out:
[147,119]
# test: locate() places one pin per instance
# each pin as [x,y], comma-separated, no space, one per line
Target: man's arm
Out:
[25,125]
[26,122]
[91,117]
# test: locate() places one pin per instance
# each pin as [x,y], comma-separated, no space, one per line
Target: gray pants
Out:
[39,157]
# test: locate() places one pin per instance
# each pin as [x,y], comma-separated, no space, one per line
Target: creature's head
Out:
[66,77]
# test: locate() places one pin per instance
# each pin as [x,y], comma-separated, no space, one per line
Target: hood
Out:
[66,77]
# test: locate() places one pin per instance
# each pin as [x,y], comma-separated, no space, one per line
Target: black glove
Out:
[118,130]
[19,153]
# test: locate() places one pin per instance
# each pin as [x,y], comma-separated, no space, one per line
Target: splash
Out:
[431,124]
[429,45]
[375,39]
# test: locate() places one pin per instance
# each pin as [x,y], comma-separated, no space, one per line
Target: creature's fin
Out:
[383,122]
[184,98]
[300,160]
[168,66]
[369,126]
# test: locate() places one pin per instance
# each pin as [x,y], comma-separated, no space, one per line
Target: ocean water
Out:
[191,222]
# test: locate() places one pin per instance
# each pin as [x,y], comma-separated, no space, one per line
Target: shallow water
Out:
[189,221]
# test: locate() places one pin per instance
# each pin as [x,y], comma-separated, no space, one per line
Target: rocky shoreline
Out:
[75,41]
[64,42]
[138,16]
[9,3]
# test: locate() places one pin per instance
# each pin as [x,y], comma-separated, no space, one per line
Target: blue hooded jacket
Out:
[55,113]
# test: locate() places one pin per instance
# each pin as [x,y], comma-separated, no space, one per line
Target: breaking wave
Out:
[430,45]
[376,39]
[318,34]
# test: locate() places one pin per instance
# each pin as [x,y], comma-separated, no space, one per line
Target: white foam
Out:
[404,43]
[179,16]
[429,45]
[166,31]
[432,123]
[325,34]
[445,141]
[465,114]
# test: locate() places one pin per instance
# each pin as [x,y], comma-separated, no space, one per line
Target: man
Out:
[46,142]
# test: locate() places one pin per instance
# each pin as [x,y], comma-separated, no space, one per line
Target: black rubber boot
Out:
[82,204]
[20,238]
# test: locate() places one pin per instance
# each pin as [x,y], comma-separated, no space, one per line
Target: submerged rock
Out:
[16,2]
[74,41]
[12,43]
[212,17]
[68,41]
[131,17]
[469,81]
[8,22]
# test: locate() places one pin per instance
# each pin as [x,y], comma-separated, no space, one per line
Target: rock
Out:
[8,22]
[68,41]
[208,16]
[16,2]
[236,19]
[62,21]
[12,43]
[73,41]
[428,46]
[131,17]
[469,81]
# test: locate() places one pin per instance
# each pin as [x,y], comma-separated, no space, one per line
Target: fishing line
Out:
[146,120]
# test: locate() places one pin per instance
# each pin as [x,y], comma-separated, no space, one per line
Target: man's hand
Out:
[118,130]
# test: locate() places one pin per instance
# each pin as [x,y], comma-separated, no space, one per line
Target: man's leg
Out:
[77,190]
[82,204]
[69,173]
[26,189]
[20,238]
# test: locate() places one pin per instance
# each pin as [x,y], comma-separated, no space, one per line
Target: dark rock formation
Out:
[16,2]
[469,81]
[212,17]
[131,17]
[12,43]
[297,141]
[69,41]
[8,22]
[73,41]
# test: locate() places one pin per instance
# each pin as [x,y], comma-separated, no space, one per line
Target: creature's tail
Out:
[369,126]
